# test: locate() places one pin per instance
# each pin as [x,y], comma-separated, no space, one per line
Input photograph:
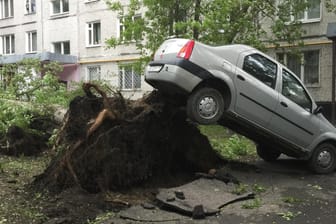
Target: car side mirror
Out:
[318,110]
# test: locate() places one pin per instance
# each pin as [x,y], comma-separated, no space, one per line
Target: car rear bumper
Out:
[172,78]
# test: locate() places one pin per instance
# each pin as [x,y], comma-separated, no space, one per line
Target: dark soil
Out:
[149,139]
[23,142]
[30,141]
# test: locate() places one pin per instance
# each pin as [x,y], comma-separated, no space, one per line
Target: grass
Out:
[291,200]
[289,215]
[229,145]
[101,218]
[17,204]
[240,189]
[252,204]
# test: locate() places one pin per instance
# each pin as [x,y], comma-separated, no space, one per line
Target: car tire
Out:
[205,106]
[323,159]
[267,154]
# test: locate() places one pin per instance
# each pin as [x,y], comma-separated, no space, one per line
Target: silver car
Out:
[244,89]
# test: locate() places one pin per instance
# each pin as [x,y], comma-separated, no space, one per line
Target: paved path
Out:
[289,193]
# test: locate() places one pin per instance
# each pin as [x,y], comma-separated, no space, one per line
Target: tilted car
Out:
[249,92]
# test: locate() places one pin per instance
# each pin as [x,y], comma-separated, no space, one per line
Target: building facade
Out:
[72,32]
[313,65]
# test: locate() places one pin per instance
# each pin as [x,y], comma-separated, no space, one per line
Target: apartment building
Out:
[72,32]
[314,66]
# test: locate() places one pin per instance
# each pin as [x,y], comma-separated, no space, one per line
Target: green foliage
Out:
[230,146]
[30,88]
[14,205]
[101,218]
[244,188]
[240,189]
[258,189]
[330,5]
[291,200]
[216,22]
[252,204]
[289,215]
[234,147]
[14,113]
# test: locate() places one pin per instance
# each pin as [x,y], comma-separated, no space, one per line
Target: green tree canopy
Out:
[30,88]
[252,22]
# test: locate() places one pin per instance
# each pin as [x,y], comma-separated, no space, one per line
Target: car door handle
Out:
[284,104]
[241,77]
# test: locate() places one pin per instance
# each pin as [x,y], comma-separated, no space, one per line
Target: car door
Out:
[294,120]
[256,96]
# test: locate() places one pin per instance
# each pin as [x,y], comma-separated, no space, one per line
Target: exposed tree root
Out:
[109,142]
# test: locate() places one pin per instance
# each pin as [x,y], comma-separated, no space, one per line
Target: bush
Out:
[30,88]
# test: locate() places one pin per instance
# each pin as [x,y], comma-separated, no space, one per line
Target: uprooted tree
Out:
[29,92]
[112,142]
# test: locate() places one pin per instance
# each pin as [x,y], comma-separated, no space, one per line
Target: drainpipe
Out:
[42,26]
[331,34]
[333,82]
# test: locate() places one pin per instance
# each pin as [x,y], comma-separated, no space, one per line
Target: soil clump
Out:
[110,143]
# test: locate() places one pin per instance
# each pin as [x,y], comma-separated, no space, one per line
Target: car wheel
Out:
[267,154]
[205,106]
[323,159]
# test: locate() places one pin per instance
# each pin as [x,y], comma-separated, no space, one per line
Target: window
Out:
[129,35]
[62,47]
[293,90]
[30,6]
[261,68]
[121,29]
[311,14]
[7,44]
[6,77]
[93,72]
[60,6]
[93,34]
[306,65]
[31,42]
[6,9]
[128,78]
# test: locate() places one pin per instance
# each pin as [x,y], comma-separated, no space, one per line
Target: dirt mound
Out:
[110,143]
[30,141]
[21,142]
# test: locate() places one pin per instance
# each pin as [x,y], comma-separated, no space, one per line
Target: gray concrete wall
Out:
[71,26]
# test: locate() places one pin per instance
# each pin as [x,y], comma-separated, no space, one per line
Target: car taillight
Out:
[186,50]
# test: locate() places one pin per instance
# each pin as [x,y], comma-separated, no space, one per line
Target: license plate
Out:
[154,68]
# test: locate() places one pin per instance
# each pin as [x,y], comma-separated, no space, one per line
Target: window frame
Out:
[61,10]
[90,32]
[89,1]
[305,18]
[10,8]
[62,47]
[3,42]
[121,26]
[301,84]
[274,82]
[302,66]
[30,7]
[122,78]
[88,72]
[29,42]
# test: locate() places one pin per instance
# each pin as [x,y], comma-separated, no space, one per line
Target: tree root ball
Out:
[150,138]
